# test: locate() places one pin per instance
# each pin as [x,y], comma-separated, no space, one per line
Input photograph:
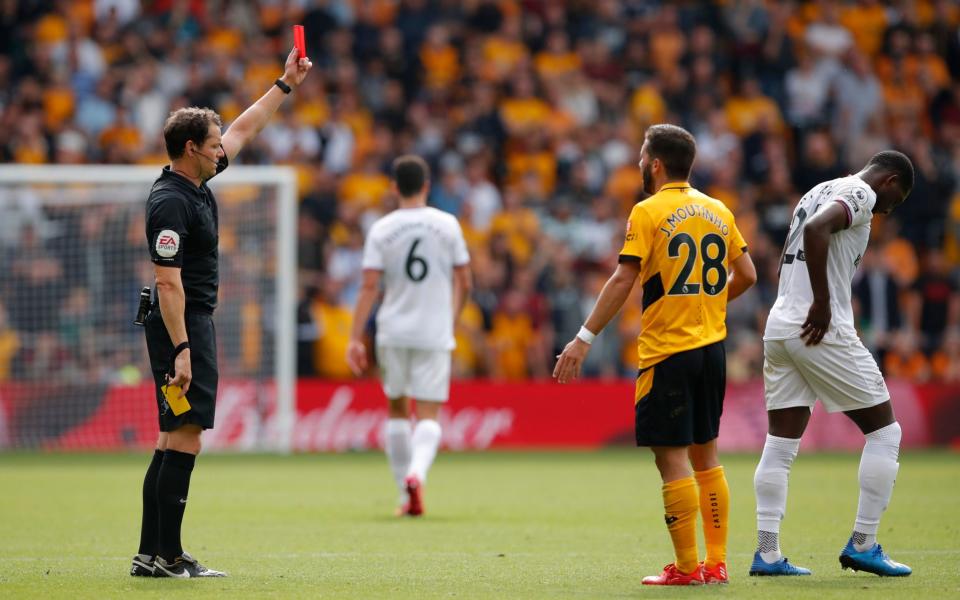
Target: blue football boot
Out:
[874,560]
[775,569]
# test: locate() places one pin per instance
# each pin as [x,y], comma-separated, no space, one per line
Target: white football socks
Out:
[878,471]
[398,445]
[426,440]
[770,486]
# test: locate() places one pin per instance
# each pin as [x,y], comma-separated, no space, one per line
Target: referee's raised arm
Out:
[248,125]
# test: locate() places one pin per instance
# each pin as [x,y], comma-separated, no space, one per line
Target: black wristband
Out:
[176,351]
[286,89]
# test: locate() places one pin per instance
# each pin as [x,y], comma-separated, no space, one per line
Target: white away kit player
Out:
[419,255]
[812,351]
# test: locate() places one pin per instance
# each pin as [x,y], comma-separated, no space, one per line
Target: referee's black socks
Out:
[148,525]
[173,483]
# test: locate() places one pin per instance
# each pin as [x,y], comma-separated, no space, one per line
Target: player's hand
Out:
[571,360]
[817,323]
[295,70]
[182,373]
[357,357]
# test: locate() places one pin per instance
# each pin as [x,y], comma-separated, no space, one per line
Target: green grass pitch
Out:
[498,525]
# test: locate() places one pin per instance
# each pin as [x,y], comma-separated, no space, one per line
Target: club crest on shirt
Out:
[168,243]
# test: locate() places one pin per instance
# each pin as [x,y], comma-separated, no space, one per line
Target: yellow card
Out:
[178,405]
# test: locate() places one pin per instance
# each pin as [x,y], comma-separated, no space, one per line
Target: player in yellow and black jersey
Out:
[691,259]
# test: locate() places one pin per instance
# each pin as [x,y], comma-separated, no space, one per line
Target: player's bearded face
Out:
[647,173]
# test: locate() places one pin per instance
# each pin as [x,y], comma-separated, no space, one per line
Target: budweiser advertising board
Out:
[342,416]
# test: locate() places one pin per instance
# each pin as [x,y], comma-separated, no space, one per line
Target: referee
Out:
[181,228]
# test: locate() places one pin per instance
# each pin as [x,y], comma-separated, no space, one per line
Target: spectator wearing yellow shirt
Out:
[533,157]
[945,362]
[667,42]
[58,102]
[647,105]
[930,68]
[557,60]
[518,224]
[523,112]
[867,21]
[51,28]
[122,137]
[367,187]
[511,339]
[905,360]
[439,58]
[504,51]
[746,110]
[333,321]
[9,345]
[951,243]
[625,184]
[469,353]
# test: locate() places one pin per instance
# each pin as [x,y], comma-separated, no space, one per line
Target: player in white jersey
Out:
[811,352]
[419,255]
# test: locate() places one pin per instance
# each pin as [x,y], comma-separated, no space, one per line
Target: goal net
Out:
[74,372]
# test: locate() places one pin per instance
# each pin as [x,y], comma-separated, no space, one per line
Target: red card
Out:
[299,41]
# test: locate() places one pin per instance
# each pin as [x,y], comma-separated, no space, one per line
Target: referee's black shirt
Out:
[182,231]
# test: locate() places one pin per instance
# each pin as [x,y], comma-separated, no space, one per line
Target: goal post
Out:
[73,255]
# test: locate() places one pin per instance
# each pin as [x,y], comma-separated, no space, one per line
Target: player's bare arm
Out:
[356,349]
[743,274]
[462,287]
[615,292]
[254,119]
[172,306]
[816,244]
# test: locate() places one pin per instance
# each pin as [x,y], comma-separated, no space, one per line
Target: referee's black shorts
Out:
[202,394]
[680,399]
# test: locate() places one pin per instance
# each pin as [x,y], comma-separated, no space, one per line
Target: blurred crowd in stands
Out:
[531,114]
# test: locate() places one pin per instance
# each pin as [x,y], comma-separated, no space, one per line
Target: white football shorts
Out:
[415,373]
[843,376]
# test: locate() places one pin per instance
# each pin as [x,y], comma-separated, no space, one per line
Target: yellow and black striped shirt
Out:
[685,242]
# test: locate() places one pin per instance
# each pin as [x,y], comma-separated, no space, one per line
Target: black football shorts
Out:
[202,393]
[680,399]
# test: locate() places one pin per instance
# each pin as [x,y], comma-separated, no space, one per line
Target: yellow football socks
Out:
[680,503]
[715,511]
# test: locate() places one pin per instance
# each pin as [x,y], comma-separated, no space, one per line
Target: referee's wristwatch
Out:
[286,89]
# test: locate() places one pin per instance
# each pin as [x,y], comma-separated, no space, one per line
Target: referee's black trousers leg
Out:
[149,525]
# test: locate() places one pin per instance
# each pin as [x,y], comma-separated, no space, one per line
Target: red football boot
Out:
[414,492]
[672,576]
[718,574]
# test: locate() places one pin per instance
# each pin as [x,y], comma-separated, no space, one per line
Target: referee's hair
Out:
[897,163]
[674,146]
[411,173]
[187,124]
